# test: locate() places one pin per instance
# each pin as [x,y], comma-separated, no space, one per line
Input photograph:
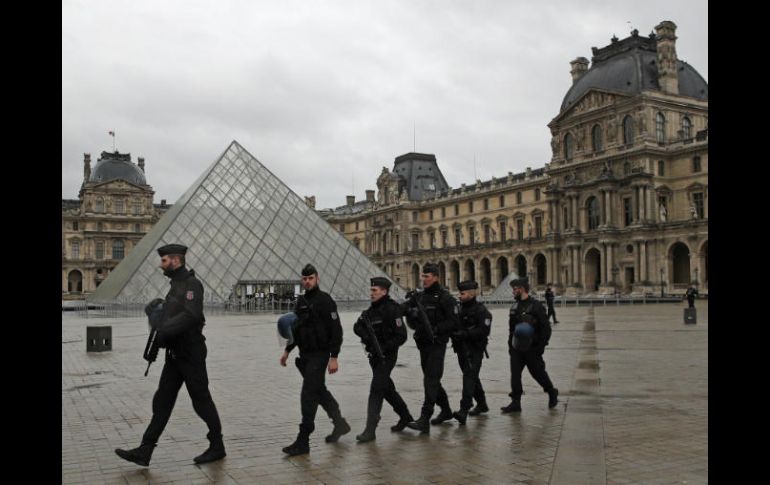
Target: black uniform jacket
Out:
[542,326]
[443,313]
[476,321]
[183,320]
[388,324]
[318,328]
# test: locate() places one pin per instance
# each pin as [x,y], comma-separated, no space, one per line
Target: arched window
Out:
[596,138]
[628,130]
[75,249]
[660,127]
[99,205]
[593,213]
[568,146]
[686,128]
[118,249]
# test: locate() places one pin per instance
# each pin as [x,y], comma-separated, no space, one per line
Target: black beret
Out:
[430,268]
[467,285]
[381,282]
[172,249]
[308,270]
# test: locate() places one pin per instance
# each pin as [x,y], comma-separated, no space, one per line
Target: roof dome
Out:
[113,166]
[630,66]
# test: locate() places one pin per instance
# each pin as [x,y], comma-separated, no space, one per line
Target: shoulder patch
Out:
[487,321]
[190,295]
[399,322]
[334,315]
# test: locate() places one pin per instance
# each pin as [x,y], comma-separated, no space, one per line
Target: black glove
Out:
[460,334]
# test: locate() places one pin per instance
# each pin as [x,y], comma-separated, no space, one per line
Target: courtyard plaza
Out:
[633,407]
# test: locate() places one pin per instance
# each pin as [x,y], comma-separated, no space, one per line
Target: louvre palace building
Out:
[622,206]
[113,211]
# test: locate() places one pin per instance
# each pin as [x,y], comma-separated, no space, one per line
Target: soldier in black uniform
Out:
[181,334]
[549,296]
[526,308]
[390,332]
[442,312]
[470,342]
[318,334]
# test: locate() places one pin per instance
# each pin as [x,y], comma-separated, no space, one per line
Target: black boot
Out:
[340,427]
[301,445]
[402,422]
[553,398]
[514,407]
[461,415]
[368,434]
[140,456]
[480,408]
[215,451]
[422,425]
[444,415]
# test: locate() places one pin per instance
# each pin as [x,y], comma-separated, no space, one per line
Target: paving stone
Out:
[638,371]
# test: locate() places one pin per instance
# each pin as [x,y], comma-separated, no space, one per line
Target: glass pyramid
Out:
[242,224]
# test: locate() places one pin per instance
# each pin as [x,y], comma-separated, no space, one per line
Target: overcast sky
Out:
[326,93]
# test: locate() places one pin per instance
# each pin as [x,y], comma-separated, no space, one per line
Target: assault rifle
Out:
[154,311]
[373,336]
[422,317]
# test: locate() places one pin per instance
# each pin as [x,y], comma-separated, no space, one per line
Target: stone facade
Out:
[621,207]
[111,214]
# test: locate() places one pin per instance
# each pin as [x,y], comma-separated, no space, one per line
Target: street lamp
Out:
[661,282]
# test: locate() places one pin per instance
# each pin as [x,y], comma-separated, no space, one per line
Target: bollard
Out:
[98,339]
[690,316]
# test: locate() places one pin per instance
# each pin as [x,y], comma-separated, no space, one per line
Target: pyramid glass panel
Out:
[241,223]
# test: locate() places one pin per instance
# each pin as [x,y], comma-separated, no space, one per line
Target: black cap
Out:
[430,268]
[308,270]
[172,249]
[521,282]
[381,282]
[467,285]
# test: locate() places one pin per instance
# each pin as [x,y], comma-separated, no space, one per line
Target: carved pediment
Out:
[591,100]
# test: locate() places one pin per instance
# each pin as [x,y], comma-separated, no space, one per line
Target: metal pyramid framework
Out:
[241,223]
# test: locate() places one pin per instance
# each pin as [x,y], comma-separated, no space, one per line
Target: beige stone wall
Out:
[578,259]
[115,226]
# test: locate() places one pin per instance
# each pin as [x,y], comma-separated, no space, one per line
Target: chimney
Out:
[163,202]
[529,172]
[579,67]
[86,167]
[350,199]
[370,196]
[668,70]
[310,201]
[141,164]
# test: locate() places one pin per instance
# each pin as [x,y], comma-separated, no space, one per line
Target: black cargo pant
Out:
[312,366]
[432,363]
[383,388]
[470,364]
[533,360]
[551,311]
[190,370]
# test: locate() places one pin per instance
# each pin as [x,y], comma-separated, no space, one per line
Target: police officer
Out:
[442,312]
[384,314]
[549,296]
[528,309]
[181,334]
[318,334]
[470,342]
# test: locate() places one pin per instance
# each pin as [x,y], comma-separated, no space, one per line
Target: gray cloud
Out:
[326,93]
